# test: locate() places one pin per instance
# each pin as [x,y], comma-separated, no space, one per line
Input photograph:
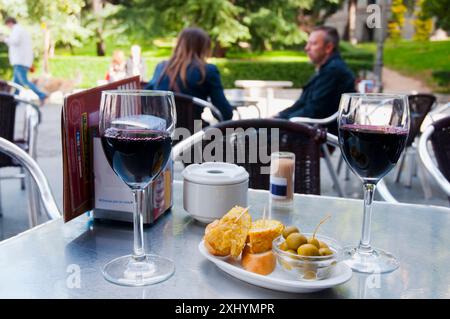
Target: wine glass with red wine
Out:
[136,128]
[373,129]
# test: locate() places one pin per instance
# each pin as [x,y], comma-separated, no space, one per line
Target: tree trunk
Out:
[101,48]
[45,57]
[349,34]
[218,50]
[97,6]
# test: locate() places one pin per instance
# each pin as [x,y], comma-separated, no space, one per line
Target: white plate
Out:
[279,279]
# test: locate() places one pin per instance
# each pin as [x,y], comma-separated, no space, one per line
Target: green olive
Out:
[284,246]
[291,251]
[325,252]
[308,250]
[314,241]
[289,230]
[295,240]
[309,271]
[322,244]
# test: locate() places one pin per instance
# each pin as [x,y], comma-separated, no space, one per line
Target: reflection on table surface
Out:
[59,260]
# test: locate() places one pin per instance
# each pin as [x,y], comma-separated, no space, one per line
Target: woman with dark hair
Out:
[187,71]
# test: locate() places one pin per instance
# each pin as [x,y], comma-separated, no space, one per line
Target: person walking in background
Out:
[20,51]
[116,69]
[188,72]
[321,95]
[135,64]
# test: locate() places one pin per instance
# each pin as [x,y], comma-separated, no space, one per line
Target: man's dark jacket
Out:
[321,95]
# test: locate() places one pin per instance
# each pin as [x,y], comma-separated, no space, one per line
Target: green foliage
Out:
[61,17]
[5,68]
[438,9]
[14,8]
[423,25]
[397,20]
[264,23]
[442,78]
[150,19]
[104,21]
[317,12]
[232,70]
[273,22]
[94,68]
[297,72]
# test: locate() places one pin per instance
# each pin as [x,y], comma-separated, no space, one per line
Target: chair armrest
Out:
[206,104]
[385,193]
[308,120]
[15,85]
[332,140]
[35,171]
[428,162]
[33,105]
[186,144]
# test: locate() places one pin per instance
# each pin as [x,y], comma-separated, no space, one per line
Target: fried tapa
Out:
[227,236]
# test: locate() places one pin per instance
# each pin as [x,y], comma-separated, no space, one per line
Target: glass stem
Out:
[138,225]
[364,244]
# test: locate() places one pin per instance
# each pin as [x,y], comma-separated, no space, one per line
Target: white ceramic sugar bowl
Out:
[211,189]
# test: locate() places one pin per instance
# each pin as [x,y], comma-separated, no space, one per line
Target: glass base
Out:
[127,271]
[375,261]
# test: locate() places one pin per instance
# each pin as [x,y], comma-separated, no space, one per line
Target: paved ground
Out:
[395,82]
[14,201]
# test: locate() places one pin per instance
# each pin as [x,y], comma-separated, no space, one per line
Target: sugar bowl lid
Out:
[215,173]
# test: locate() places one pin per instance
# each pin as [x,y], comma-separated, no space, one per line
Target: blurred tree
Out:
[62,18]
[440,10]
[97,7]
[282,23]
[146,19]
[423,24]
[317,12]
[264,23]
[397,20]
[52,22]
[60,23]
[97,17]
[350,28]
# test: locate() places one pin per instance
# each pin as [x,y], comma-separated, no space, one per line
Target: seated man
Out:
[322,93]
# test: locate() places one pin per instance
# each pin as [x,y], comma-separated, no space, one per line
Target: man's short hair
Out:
[331,35]
[10,20]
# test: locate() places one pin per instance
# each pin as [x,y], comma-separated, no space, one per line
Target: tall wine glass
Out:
[135,129]
[373,129]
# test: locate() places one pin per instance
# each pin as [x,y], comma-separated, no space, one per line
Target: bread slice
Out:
[262,263]
[262,233]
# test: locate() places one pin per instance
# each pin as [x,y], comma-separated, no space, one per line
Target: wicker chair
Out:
[328,149]
[190,108]
[419,107]
[303,140]
[439,135]
[7,118]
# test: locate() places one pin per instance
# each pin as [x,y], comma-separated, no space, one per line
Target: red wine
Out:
[137,156]
[372,151]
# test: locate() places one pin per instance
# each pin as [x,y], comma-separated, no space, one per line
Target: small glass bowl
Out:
[308,268]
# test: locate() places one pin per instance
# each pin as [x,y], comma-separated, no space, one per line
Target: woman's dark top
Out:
[210,87]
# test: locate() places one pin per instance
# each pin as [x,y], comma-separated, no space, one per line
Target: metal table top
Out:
[40,263]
